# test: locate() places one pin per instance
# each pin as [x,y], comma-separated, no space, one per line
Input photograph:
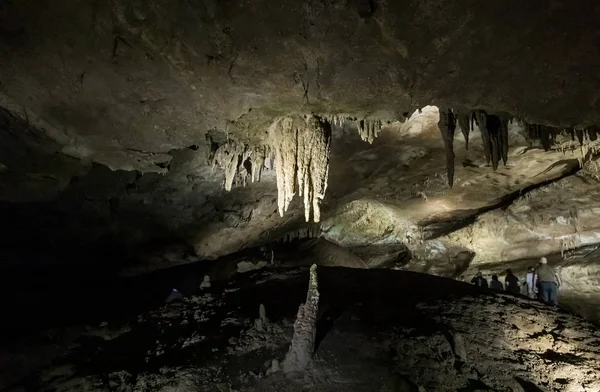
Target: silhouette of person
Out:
[480,281]
[512,282]
[495,284]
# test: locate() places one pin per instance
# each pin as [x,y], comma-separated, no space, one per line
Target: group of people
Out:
[541,283]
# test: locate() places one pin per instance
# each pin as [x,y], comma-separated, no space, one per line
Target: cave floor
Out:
[378,330]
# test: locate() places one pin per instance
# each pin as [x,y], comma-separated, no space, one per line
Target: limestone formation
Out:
[368,129]
[447,125]
[259,155]
[305,329]
[464,122]
[241,162]
[312,230]
[302,147]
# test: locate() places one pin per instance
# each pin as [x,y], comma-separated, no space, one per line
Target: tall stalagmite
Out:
[302,146]
[305,328]
[447,125]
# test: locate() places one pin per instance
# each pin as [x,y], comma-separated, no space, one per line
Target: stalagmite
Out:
[302,147]
[447,125]
[305,328]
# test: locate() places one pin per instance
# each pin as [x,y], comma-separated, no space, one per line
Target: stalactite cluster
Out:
[548,136]
[494,135]
[368,129]
[310,231]
[302,146]
[240,162]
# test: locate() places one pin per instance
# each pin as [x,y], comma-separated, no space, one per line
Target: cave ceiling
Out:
[123,122]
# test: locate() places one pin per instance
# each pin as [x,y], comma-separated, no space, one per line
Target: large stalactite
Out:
[302,146]
[481,119]
[465,124]
[447,125]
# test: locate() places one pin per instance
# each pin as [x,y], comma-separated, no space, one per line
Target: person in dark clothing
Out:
[480,281]
[512,282]
[495,284]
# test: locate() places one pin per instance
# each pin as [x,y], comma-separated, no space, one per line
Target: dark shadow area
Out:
[553,356]
[528,386]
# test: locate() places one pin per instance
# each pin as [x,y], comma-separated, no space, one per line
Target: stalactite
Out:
[447,126]
[464,122]
[229,156]
[368,129]
[240,162]
[504,120]
[481,119]
[302,147]
[545,137]
[532,131]
[312,230]
[593,133]
[259,154]
[579,134]
[493,125]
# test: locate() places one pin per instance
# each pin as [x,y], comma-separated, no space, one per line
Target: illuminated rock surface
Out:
[376,331]
[139,137]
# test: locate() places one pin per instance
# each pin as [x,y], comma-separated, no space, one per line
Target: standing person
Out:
[480,281]
[512,282]
[529,285]
[495,284]
[548,281]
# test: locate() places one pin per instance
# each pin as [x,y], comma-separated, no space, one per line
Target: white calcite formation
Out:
[302,146]
[368,129]
[241,162]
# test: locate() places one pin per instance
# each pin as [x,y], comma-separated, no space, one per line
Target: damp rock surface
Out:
[404,331]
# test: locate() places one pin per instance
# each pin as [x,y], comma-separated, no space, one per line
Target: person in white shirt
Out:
[529,283]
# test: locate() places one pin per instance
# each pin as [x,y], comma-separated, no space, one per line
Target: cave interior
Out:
[255,196]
